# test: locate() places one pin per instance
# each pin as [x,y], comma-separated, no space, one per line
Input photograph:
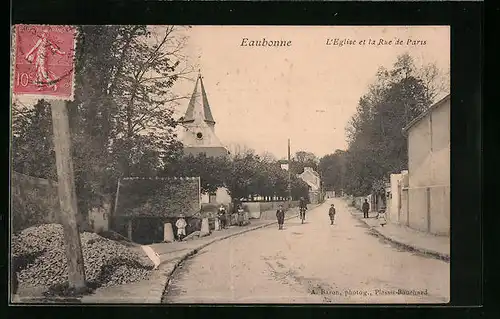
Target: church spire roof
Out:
[198,108]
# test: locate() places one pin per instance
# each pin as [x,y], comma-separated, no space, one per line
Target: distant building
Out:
[313,180]
[283,164]
[429,169]
[198,135]
[330,194]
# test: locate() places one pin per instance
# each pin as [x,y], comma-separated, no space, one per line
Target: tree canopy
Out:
[303,159]
[377,146]
[121,119]
[244,175]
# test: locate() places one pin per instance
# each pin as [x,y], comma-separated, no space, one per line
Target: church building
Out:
[198,135]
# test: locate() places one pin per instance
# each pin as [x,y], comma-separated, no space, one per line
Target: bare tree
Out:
[267,157]
[239,150]
[435,80]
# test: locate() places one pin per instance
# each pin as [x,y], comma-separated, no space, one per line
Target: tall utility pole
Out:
[67,194]
[289,174]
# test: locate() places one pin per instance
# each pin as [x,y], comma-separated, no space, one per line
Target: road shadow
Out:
[401,248]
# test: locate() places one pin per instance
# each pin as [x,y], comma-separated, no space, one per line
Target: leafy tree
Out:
[213,171]
[244,175]
[122,113]
[303,159]
[332,169]
[32,141]
[121,118]
[299,188]
[377,146]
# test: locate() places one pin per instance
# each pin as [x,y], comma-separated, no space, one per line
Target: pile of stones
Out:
[106,262]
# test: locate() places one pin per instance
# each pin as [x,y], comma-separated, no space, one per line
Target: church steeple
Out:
[198,109]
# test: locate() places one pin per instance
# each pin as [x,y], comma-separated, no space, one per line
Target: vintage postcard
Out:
[230,164]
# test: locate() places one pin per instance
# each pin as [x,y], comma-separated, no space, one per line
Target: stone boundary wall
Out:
[34,201]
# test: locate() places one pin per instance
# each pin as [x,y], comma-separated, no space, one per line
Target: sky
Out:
[261,96]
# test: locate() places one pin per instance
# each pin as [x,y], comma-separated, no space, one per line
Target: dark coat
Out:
[331,212]
[366,207]
[221,214]
[280,215]
[303,204]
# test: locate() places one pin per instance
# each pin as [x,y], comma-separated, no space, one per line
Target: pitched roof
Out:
[429,110]
[311,170]
[198,108]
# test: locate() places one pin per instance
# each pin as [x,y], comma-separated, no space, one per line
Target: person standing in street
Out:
[241,215]
[280,215]
[302,208]
[331,213]
[365,208]
[181,227]
[382,217]
[222,217]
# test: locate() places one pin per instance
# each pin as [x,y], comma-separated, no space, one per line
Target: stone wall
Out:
[34,201]
[429,209]
[268,210]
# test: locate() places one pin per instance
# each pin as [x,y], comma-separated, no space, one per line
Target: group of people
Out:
[224,219]
[380,214]
[280,213]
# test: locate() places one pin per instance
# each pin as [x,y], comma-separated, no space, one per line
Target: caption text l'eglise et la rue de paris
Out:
[374,42]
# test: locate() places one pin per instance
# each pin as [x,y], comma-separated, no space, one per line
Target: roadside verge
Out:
[411,240]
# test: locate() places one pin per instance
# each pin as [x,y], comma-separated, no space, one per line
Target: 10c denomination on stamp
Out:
[44,61]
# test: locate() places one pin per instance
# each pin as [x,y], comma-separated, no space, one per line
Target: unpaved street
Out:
[310,263]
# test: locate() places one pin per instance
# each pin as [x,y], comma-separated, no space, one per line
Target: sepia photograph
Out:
[179,164]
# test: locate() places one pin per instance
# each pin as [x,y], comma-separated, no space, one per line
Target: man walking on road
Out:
[365,208]
[331,213]
[280,215]
[302,208]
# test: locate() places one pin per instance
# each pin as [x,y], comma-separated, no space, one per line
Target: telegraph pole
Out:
[57,95]
[289,175]
[67,194]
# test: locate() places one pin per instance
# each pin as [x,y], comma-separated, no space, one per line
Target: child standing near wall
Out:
[181,227]
[241,216]
[381,217]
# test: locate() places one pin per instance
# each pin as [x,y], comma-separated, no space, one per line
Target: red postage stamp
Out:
[44,61]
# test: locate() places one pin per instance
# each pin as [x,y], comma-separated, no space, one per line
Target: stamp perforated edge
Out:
[15,96]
